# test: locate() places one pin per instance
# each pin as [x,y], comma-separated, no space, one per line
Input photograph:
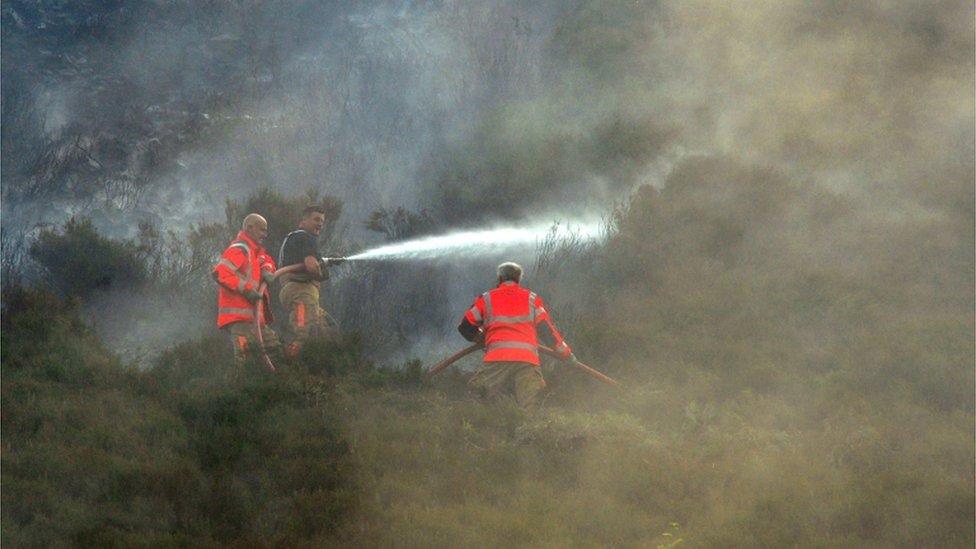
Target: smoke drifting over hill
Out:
[490,110]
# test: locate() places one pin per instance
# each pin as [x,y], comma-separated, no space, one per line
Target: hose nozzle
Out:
[332,261]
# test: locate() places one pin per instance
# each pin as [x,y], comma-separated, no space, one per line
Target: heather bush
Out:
[78,260]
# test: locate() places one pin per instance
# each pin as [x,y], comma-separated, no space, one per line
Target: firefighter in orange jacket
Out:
[239,273]
[507,317]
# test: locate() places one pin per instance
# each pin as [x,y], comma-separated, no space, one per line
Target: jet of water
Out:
[478,242]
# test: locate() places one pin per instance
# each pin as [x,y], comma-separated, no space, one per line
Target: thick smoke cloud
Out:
[558,106]
[488,112]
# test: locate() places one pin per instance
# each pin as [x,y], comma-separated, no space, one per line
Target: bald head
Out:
[256,227]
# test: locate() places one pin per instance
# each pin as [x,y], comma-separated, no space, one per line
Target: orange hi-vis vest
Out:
[238,271]
[508,315]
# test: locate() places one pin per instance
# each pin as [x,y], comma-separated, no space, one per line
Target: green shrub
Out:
[78,260]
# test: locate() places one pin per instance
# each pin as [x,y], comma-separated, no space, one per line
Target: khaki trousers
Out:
[305,315]
[521,379]
[246,343]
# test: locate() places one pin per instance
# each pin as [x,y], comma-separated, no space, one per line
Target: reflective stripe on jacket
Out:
[237,271]
[508,315]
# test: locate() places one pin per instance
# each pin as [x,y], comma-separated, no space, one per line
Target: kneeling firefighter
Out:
[506,317]
[300,290]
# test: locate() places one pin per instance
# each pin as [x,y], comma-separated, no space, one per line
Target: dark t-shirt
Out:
[297,246]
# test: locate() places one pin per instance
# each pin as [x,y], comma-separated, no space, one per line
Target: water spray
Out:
[474,242]
[463,243]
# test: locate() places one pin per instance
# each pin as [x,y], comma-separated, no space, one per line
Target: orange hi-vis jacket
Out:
[508,315]
[238,271]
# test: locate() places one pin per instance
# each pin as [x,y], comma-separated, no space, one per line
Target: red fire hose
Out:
[453,358]
[590,371]
[259,314]
[436,369]
[258,321]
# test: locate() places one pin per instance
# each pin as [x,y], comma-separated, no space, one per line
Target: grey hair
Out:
[509,271]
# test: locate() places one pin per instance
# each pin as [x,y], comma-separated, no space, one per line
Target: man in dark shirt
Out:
[300,290]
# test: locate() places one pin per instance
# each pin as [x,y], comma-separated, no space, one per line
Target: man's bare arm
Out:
[312,266]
